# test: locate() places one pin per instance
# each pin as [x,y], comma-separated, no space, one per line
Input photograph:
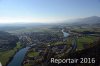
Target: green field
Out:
[85,39]
[6,55]
[32,54]
[27,64]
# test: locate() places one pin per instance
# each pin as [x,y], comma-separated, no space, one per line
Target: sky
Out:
[46,11]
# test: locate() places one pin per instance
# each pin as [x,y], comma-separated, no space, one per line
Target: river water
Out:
[0,64]
[65,33]
[18,58]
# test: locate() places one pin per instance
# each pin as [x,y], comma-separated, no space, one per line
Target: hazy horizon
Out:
[46,11]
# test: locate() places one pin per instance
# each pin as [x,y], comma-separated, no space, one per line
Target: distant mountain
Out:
[95,20]
[88,20]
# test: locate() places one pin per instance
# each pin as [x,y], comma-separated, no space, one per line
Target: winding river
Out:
[65,33]
[18,58]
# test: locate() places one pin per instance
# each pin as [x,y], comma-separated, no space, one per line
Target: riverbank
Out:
[34,53]
[6,56]
[12,57]
[18,57]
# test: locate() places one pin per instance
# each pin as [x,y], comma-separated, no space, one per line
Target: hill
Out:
[87,20]
[7,41]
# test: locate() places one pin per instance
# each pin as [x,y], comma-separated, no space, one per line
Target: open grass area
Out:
[6,55]
[83,29]
[85,39]
[56,43]
[27,64]
[32,54]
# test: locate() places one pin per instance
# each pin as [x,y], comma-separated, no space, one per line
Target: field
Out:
[32,54]
[6,55]
[26,30]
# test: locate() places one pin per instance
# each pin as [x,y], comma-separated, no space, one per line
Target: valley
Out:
[49,41]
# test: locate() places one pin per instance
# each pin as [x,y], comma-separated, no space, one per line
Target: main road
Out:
[74,42]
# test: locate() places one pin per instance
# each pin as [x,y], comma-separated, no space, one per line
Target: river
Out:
[18,58]
[65,33]
[0,64]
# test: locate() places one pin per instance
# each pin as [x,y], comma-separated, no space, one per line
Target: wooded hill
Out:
[7,41]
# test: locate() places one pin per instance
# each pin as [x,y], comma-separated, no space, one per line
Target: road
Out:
[74,42]
[73,47]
